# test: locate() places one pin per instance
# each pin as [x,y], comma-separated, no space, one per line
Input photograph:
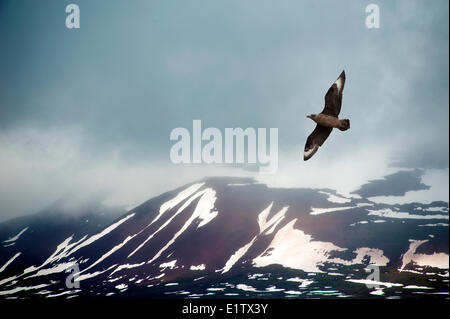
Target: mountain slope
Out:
[195,240]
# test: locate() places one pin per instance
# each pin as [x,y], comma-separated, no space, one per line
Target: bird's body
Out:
[327,119]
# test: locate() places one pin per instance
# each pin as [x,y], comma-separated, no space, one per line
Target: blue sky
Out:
[90,108]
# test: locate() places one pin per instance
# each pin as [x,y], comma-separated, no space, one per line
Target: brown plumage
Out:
[327,119]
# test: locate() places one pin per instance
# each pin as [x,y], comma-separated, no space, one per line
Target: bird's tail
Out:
[345,125]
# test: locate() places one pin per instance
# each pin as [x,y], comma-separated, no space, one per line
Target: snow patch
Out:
[264,223]
[9,261]
[336,199]
[122,286]
[441,209]
[177,199]
[56,269]
[237,255]
[416,287]
[171,284]
[434,225]
[246,287]
[170,264]
[126,266]
[14,238]
[101,234]
[374,282]
[318,211]
[274,289]
[438,260]
[18,289]
[294,249]
[389,213]
[198,267]
[265,227]
[203,211]
[110,252]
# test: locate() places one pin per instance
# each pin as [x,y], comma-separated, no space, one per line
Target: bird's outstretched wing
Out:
[333,98]
[315,140]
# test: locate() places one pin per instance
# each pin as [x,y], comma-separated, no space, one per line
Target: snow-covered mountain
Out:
[231,237]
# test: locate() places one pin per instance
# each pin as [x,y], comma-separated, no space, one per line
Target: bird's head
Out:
[311,116]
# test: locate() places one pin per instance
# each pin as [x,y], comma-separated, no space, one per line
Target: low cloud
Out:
[393,185]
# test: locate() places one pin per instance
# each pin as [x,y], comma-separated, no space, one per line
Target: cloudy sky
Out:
[88,112]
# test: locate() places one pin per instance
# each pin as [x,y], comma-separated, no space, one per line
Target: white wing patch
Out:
[339,83]
[311,151]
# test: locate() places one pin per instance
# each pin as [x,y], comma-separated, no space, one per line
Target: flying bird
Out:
[327,119]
